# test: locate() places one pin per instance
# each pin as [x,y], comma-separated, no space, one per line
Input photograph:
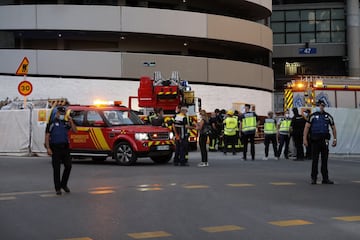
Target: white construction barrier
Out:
[347,122]
[15,132]
[38,124]
[22,132]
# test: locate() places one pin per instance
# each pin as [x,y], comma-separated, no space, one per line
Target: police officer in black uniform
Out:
[319,122]
[57,145]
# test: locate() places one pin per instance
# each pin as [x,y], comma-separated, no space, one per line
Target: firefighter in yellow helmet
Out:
[230,130]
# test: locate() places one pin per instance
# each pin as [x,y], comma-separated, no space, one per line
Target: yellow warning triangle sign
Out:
[23,67]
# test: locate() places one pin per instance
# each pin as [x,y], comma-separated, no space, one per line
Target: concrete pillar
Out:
[353,37]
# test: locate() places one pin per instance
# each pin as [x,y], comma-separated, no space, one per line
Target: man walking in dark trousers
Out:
[57,145]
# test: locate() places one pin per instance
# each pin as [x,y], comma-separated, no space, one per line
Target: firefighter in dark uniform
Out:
[319,122]
[57,145]
[157,119]
[181,127]
[215,132]
[307,113]
[297,130]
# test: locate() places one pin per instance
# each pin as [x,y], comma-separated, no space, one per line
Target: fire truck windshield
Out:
[122,117]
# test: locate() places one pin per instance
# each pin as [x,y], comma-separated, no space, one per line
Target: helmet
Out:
[230,112]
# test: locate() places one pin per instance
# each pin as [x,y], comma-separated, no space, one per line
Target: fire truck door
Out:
[81,139]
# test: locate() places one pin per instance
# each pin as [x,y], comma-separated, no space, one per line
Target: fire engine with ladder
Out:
[336,91]
[168,94]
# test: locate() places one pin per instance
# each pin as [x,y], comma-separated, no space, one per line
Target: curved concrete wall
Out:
[131,65]
[135,20]
[265,3]
[238,30]
[85,91]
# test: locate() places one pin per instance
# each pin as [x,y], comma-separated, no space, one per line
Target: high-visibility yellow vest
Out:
[237,122]
[270,126]
[285,126]
[248,123]
[231,125]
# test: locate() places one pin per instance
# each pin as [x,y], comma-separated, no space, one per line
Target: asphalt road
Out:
[231,199]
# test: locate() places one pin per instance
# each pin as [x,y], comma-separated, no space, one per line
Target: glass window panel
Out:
[277,16]
[307,26]
[292,15]
[292,27]
[308,37]
[278,27]
[279,38]
[293,38]
[337,13]
[308,15]
[78,117]
[323,26]
[323,37]
[338,25]
[338,37]
[7,40]
[322,14]
[6,2]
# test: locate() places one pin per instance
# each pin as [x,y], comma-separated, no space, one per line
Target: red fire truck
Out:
[168,94]
[118,132]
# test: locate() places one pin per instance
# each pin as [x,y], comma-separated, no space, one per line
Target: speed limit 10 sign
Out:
[25,88]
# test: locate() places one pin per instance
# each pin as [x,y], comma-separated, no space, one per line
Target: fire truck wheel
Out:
[124,155]
[162,159]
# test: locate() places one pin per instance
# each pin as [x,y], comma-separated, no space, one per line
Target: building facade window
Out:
[309,25]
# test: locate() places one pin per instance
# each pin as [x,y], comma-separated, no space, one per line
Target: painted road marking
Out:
[81,238]
[225,228]
[48,195]
[149,185]
[195,186]
[356,181]
[240,185]
[22,193]
[148,189]
[290,223]
[102,188]
[100,192]
[7,198]
[144,235]
[348,218]
[282,183]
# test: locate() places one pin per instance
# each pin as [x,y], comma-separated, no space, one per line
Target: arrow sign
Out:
[23,67]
